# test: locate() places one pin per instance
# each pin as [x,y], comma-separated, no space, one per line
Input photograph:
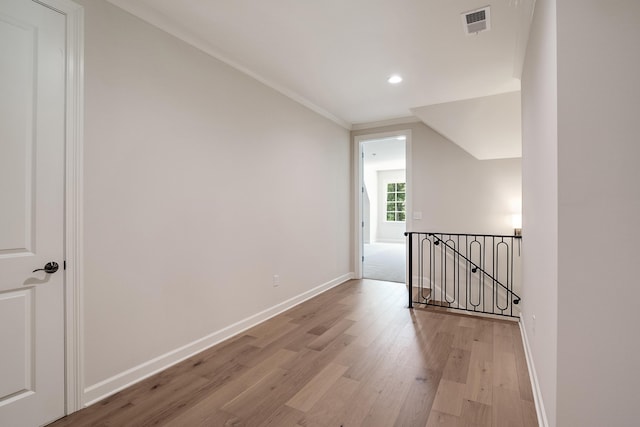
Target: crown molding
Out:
[165,24]
[388,122]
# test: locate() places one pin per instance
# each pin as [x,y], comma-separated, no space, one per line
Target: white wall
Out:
[455,192]
[599,210]
[580,104]
[389,232]
[200,184]
[366,217]
[540,201]
[370,181]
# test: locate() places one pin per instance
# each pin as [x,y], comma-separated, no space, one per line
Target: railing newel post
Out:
[410,269]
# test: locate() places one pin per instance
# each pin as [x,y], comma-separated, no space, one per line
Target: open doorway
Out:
[383,207]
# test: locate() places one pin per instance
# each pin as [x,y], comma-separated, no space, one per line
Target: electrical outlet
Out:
[276,280]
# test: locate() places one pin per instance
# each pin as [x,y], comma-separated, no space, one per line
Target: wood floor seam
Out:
[352,356]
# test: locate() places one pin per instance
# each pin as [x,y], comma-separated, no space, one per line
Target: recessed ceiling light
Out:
[394,79]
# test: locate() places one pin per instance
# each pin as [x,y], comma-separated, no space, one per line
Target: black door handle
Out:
[50,267]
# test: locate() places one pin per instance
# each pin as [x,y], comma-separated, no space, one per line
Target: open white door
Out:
[32,144]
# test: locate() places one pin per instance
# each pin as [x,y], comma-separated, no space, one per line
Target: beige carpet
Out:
[384,261]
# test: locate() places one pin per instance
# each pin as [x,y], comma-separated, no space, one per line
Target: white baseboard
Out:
[390,241]
[103,389]
[537,394]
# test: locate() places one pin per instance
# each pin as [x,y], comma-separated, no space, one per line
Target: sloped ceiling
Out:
[335,56]
[487,127]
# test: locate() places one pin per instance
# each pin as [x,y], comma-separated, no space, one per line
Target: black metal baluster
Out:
[493,274]
[509,295]
[484,261]
[432,270]
[426,241]
[467,273]
[502,244]
[420,264]
[494,270]
[458,253]
[410,272]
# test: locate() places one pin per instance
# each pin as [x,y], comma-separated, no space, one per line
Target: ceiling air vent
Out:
[477,20]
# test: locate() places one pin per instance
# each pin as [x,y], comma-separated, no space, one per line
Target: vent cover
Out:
[476,21]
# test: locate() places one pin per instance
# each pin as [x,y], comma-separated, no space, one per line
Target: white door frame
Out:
[73,253]
[358,184]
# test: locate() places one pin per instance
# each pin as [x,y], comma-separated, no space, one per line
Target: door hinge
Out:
[64,264]
[363,224]
[362,258]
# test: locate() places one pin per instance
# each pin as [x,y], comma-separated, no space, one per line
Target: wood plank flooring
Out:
[353,356]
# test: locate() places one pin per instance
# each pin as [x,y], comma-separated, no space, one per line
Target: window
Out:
[395,201]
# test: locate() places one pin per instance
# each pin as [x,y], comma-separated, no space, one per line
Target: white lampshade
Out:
[516,220]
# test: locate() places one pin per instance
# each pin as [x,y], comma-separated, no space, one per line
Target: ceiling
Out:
[385,153]
[335,56]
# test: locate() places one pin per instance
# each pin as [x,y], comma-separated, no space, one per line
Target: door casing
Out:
[73,253]
[358,166]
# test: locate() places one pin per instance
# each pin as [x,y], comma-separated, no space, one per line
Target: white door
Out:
[32,132]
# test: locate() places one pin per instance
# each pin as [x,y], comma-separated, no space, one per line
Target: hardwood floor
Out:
[353,356]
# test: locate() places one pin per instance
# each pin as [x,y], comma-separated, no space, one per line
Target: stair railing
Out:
[470,272]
